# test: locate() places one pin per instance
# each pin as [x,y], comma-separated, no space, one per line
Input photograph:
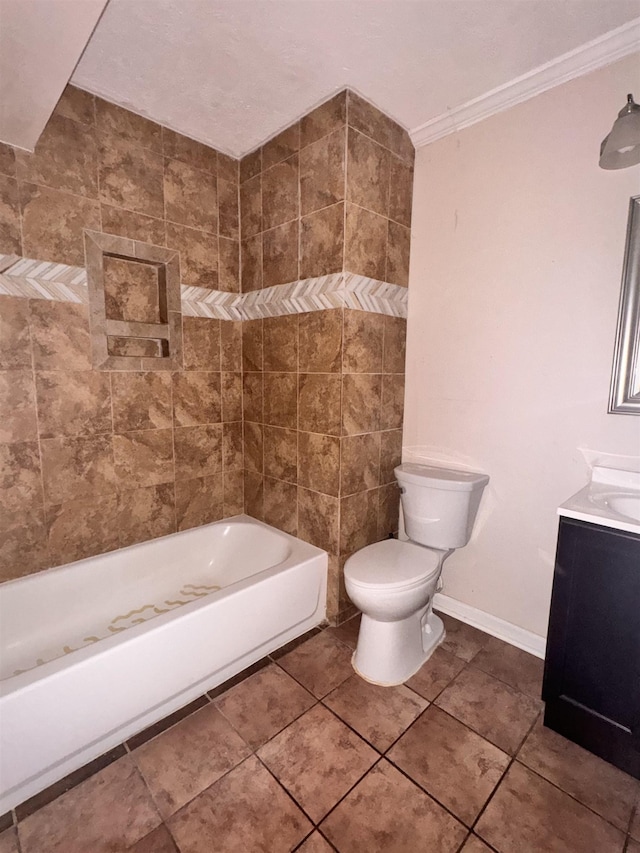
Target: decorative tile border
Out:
[43,280]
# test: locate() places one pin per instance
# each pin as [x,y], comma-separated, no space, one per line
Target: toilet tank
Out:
[439,504]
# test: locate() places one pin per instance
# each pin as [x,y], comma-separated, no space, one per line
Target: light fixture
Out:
[622,147]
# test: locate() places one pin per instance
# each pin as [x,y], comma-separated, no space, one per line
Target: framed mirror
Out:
[624,398]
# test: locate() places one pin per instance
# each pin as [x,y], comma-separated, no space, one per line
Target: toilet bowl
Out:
[393,582]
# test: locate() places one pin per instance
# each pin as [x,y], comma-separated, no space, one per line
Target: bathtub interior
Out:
[45,617]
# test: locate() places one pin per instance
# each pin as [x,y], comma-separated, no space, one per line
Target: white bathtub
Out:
[95,651]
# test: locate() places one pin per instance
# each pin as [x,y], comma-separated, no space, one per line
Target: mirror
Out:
[625,379]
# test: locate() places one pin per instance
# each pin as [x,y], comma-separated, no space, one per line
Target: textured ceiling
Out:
[232,73]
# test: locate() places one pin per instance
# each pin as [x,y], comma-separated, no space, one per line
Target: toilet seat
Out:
[392,564]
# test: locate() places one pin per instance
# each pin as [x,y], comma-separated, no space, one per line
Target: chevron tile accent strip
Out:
[33,279]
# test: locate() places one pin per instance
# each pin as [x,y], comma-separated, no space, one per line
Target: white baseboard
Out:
[512,634]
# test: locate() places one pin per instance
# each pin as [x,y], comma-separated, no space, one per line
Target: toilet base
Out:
[389,653]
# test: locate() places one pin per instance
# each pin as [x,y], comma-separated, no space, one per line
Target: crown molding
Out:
[595,54]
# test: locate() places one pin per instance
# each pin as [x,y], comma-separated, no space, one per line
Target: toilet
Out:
[393,582]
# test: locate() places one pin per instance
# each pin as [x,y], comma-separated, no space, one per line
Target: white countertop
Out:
[590,503]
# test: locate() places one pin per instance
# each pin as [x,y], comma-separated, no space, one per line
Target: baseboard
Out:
[512,634]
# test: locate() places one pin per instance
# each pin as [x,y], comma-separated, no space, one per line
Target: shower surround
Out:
[294,417]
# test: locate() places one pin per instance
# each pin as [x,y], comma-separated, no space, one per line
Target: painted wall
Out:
[516,258]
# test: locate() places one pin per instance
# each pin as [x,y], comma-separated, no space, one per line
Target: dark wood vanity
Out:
[592,670]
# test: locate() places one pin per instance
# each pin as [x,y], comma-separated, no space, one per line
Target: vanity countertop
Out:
[611,499]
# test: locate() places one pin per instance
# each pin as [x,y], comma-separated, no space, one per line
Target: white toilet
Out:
[393,582]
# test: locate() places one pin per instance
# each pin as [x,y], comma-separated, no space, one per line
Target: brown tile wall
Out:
[323,392]
[94,460]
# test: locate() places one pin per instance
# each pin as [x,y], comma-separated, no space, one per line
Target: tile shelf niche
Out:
[150,336]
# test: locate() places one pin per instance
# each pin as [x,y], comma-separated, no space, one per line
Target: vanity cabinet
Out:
[592,669]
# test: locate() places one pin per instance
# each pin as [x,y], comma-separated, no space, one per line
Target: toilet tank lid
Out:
[440,478]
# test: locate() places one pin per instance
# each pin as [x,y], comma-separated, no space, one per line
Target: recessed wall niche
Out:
[134,302]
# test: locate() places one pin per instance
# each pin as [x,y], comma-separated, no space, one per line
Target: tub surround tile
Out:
[23,543]
[596,784]
[254,494]
[527,813]
[366,118]
[319,403]
[363,342]
[198,255]
[135,226]
[199,501]
[73,403]
[395,333]
[392,408]
[251,206]
[499,713]
[368,173]
[60,335]
[251,267]
[82,527]
[264,704]
[76,104]
[358,521]
[10,234]
[245,810]
[453,764]
[400,190]
[130,177]
[228,209]
[190,196]
[359,463]
[228,265]
[18,406]
[388,510]
[318,519]
[254,447]
[281,400]
[196,398]
[280,193]
[319,462]
[72,214]
[15,343]
[320,664]
[398,246]
[280,343]
[365,239]
[20,478]
[81,466]
[320,342]
[146,513]
[322,172]
[386,811]
[317,759]
[252,345]
[65,158]
[379,714]
[282,146]
[111,810]
[201,343]
[322,241]
[329,116]
[115,123]
[434,675]
[198,451]
[279,505]
[281,454]
[233,482]
[253,397]
[141,401]
[390,455]
[7,160]
[180,763]
[131,291]
[143,458]
[361,403]
[232,446]
[179,147]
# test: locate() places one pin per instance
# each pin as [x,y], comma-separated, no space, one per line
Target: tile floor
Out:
[303,755]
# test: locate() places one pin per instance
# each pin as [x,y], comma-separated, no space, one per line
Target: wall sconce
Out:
[621,148]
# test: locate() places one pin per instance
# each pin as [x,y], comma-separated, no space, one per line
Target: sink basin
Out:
[628,505]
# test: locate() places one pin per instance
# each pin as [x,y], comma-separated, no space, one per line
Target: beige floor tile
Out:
[320,664]
[488,706]
[517,668]
[474,845]
[386,813]
[528,813]
[453,764]
[348,632]
[263,704]
[9,841]
[317,759]
[244,812]
[635,823]
[187,758]
[379,714]
[595,783]
[633,846]
[158,841]
[315,844]
[433,676]
[462,640]
[110,811]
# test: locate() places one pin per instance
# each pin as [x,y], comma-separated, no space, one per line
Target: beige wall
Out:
[516,257]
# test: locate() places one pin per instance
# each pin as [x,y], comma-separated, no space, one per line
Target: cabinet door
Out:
[592,670]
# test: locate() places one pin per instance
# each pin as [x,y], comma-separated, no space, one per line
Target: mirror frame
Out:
[624,398]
